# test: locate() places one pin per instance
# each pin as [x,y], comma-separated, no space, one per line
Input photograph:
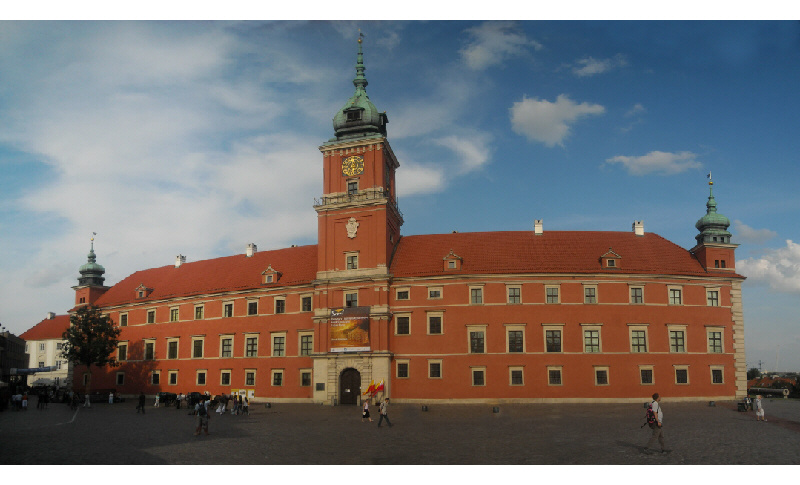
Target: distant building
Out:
[44,343]
[12,356]
[523,316]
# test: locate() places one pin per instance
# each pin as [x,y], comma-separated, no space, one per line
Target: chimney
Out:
[638,228]
[251,250]
[537,227]
[179,260]
[51,315]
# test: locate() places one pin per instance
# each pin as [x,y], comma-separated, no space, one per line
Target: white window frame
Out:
[300,335]
[473,370]
[593,327]
[440,289]
[671,289]
[272,337]
[123,319]
[275,305]
[223,372]
[675,369]
[202,309]
[397,365]
[170,379]
[553,326]
[123,343]
[255,377]
[721,369]
[147,316]
[397,292]
[508,294]
[558,294]
[630,294]
[434,314]
[721,331]
[344,298]
[560,370]
[245,350]
[677,328]
[479,289]
[652,375]
[586,297]
[351,259]
[232,306]
[476,328]
[117,376]
[144,348]
[709,300]
[175,314]
[601,368]
[177,341]
[511,370]
[397,317]
[640,327]
[251,301]
[197,374]
[310,373]
[515,327]
[153,374]
[202,339]
[223,337]
[311,302]
[441,368]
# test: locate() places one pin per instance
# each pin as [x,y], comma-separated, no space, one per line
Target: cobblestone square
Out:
[296,434]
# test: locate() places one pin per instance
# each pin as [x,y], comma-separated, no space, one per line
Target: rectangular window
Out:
[120,378]
[402,326]
[227,347]
[551,294]
[676,341]
[306,303]
[712,297]
[434,293]
[250,378]
[553,340]
[515,376]
[638,341]
[278,345]
[589,294]
[554,377]
[352,261]
[149,350]
[41,364]
[716,376]
[41,347]
[251,347]
[173,314]
[122,352]
[435,369]
[476,296]
[351,300]
[675,296]
[225,378]
[478,377]
[280,305]
[352,185]
[173,378]
[646,376]
[227,310]
[601,377]
[252,308]
[403,294]
[637,295]
[306,344]
[715,341]
[476,342]
[197,349]
[305,379]
[151,316]
[155,378]
[123,320]
[515,341]
[591,341]
[402,369]
[681,376]
[198,313]
[201,378]
[172,349]
[434,325]
[514,295]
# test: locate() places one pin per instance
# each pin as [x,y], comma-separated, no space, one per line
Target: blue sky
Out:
[197,138]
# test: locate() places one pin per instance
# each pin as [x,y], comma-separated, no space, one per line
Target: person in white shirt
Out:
[658,430]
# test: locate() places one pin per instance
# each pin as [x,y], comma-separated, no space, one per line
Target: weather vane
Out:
[710,182]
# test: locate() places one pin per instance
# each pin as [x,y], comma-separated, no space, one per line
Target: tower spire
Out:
[91,272]
[360,81]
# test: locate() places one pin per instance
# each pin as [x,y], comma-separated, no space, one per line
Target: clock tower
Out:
[359,228]
[359,222]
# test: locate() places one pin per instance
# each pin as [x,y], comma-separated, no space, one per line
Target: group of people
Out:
[241,404]
[19,401]
[383,410]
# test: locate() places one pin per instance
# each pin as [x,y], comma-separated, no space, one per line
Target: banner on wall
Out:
[349,329]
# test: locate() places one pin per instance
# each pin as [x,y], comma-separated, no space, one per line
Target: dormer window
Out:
[270,275]
[354,115]
[143,291]
[610,260]
[452,261]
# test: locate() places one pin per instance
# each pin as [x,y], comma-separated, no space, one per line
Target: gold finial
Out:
[93,235]
[710,182]
[360,35]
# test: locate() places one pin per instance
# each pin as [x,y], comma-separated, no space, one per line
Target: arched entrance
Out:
[349,386]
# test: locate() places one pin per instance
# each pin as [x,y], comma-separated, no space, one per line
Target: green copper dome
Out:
[359,117]
[713,226]
[91,272]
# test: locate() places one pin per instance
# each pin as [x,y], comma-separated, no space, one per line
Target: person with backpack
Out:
[202,417]
[655,418]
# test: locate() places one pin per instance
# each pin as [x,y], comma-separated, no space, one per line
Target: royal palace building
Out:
[525,316]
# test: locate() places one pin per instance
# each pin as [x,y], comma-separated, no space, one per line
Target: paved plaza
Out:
[534,434]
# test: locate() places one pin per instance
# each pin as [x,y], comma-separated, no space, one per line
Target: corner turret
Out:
[90,283]
[714,249]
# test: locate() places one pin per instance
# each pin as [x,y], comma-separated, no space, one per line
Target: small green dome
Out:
[91,272]
[359,117]
[713,226]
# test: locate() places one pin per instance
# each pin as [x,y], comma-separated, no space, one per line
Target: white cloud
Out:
[779,268]
[747,234]
[589,66]
[663,163]
[472,151]
[548,122]
[636,110]
[493,42]
[416,179]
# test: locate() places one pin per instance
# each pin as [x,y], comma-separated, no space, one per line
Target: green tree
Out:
[753,372]
[91,339]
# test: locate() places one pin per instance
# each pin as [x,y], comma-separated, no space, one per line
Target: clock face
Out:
[353,165]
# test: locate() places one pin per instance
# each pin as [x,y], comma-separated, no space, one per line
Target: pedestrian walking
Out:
[178,401]
[25,402]
[157,399]
[365,411]
[759,409]
[201,410]
[384,412]
[657,426]
[246,406]
[110,398]
[140,406]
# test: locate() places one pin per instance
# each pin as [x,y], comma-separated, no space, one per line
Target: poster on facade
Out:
[349,329]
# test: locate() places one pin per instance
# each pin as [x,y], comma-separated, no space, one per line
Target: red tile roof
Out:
[297,266]
[47,329]
[552,252]
[575,252]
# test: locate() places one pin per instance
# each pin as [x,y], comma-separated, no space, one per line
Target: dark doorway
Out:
[349,386]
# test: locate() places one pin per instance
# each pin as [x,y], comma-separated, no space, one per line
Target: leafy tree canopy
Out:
[91,338]
[753,372]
